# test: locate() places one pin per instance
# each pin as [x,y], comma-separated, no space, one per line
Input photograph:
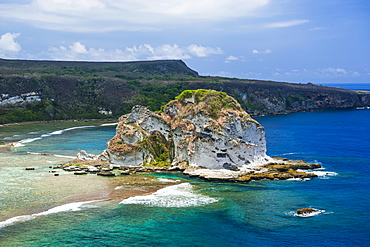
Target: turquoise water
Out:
[200,213]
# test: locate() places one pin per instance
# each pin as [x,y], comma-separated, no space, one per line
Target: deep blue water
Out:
[352,86]
[254,214]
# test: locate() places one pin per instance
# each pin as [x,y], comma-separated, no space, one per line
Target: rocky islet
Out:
[203,133]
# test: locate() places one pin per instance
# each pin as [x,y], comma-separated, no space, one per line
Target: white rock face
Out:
[189,132]
[19,99]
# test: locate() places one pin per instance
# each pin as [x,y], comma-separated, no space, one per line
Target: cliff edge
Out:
[200,128]
[204,133]
[59,90]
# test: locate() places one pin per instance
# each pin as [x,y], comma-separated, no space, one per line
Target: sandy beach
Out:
[40,190]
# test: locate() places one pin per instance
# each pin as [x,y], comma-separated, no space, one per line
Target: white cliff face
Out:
[19,99]
[190,132]
[239,143]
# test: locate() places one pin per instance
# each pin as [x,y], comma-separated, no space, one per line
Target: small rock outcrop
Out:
[303,211]
[199,129]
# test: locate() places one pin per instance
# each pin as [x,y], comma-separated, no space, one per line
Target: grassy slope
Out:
[79,89]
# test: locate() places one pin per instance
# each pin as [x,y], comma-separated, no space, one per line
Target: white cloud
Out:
[77,47]
[78,51]
[201,51]
[8,44]
[333,70]
[106,15]
[317,28]
[287,23]
[231,58]
[261,52]
[168,52]
[323,73]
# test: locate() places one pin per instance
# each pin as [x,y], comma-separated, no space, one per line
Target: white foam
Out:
[316,212]
[30,140]
[64,156]
[57,132]
[54,155]
[299,179]
[75,206]
[16,144]
[17,219]
[175,196]
[109,124]
[167,180]
[320,173]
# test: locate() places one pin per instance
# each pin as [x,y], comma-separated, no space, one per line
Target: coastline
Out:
[69,188]
[245,211]
[110,120]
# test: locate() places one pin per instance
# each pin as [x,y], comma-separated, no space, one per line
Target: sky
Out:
[317,41]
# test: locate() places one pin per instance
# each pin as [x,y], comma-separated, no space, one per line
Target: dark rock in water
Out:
[106,169]
[80,173]
[306,211]
[106,174]
[56,174]
[30,168]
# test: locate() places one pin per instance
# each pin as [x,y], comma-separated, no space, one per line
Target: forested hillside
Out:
[55,90]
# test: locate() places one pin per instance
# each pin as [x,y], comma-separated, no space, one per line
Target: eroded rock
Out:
[306,211]
[201,128]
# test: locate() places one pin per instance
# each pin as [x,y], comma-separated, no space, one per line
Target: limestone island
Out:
[202,133]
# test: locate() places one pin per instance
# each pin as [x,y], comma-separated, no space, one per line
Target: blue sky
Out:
[318,41]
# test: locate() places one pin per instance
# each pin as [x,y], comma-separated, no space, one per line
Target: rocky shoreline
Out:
[279,169]
[202,133]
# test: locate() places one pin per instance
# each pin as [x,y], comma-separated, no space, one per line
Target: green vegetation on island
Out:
[59,90]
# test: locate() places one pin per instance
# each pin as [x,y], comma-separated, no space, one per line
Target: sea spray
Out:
[180,195]
[315,212]
[75,206]
[57,132]
[320,173]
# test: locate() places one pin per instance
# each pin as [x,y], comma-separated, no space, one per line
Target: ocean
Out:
[190,211]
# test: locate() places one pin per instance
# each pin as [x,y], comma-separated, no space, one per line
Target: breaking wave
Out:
[320,173]
[22,143]
[75,206]
[175,196]
[167,180]
[316,212]
[54,155]
[299,179]
[109,124]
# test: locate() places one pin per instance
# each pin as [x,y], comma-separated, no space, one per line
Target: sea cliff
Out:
[55,90]
[203,133]
[201,128]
